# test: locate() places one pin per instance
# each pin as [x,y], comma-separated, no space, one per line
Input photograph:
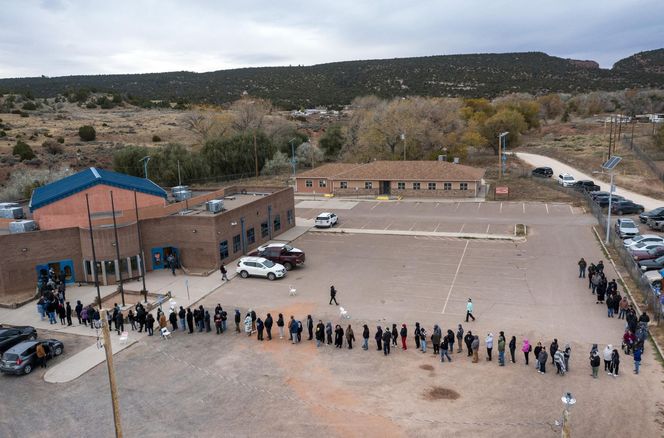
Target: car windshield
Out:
[628,225]
[568,177]
[268,263]
[637,238]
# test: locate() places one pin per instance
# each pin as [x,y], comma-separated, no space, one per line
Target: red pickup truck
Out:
[281,253]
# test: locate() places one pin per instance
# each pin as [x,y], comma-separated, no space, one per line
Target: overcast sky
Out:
[64,37]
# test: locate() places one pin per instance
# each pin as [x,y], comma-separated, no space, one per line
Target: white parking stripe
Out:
[501,207]
[524,207]
[375,205]
[388,226]
[487,228]
[457,207]
[547,207]
[437,226]
[461,230]
[449,292]
[571,210]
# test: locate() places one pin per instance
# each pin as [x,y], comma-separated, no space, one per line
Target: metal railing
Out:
[652,296]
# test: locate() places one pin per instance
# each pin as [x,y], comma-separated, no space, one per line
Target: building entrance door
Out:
[384,187]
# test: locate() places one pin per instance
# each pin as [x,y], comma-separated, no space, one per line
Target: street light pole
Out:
[403,138]
[608,217]
[500,155]
[292,154]
[94,255]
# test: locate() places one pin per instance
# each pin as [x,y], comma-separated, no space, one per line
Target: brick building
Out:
[398,178]
[200,239]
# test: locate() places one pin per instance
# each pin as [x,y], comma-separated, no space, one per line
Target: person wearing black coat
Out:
[259,329]
[68,313]
[395,335]
[328,332]
[253,320]
[468,340]
[379,338]
[173,319]
[268,326]
[149,324]
[552,350]
[206,319]
[365,337]
[190,320]
[119,323]
[404,336]
[338,336]
[513,348]
[320,333]
[78,309]
[387,336]
[417,335]
[310,327]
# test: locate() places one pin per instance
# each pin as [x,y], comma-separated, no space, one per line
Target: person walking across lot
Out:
[582,268]
[469,310]
[333,295]
[224,273]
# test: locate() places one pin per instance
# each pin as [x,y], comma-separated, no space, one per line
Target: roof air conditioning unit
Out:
[22,226]
[456,160]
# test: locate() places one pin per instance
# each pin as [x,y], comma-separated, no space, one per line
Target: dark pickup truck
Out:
[585,186]
[281,253]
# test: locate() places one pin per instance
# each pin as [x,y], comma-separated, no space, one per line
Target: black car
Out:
[585,186]
[643,217]
[603,201]
[542,172]
[22,358]
[626,206]
[649,265]
[10,336]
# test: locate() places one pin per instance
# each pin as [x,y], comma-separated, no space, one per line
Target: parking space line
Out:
[524,207]
[571,210]
[457,207]
[479,204]
[487,228]
[362,227]
[501,208]
[375,205]
[449,292]
[388,226]
[437,226]
[413,226]
[547,207]
[461,230]
[437,204]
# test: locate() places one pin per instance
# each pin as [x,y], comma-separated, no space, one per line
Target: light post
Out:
[568,401]
[145,161]
[610,164]
[292,154]
[500,155]
[403,138]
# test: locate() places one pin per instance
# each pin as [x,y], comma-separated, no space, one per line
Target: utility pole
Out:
[620,123]
[111,376]
[141,257]
[631,139]
[179,177]
[292,154]
[500,153]
[255,154]
[610,137]
[403,138]
[117,250]
[94,255]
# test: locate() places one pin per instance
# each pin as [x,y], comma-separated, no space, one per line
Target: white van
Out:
[566,180]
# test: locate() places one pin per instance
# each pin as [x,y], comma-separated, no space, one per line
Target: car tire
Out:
[27,369]
[244,274]
[288,266]
[57,351]
[271,276]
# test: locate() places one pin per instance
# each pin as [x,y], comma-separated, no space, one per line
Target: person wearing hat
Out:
[469,310]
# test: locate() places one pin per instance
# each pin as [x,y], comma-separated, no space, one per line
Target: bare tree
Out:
[199,124]
[250,114]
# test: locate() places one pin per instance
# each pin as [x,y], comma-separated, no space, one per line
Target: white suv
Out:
[326,220]
[259,267]
[566,180]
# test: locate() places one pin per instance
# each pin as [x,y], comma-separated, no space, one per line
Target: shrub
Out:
[156,138]
[3,134]
[87,133]
[29,106]
[16,111]
[277,165]
[25,115]
[91,105]
[23,181]
[23,150]
[53,147]
[61,140]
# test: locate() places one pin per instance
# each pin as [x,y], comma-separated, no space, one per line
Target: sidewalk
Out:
[422,233]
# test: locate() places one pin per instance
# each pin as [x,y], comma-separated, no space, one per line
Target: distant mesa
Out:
[584,64]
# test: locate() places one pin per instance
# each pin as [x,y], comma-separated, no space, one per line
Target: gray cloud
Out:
[62,37]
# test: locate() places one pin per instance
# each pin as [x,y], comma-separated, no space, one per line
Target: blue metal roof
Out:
[87,178]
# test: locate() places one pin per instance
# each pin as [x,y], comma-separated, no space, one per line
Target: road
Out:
[558,167]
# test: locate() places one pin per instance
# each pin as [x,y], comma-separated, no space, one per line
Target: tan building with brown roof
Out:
[398,178]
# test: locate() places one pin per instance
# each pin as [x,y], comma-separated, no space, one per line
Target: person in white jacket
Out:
[489,346]
[608,351]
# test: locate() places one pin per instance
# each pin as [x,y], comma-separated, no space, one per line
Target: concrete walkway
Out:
[422,233]
[558,167]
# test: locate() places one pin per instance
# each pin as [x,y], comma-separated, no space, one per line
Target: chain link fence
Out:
[651,293]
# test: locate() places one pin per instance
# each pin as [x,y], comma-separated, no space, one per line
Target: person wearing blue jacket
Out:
[294,329]
[637,359]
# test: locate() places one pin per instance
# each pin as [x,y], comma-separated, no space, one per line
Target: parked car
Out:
[644,246]
[643,238]
[603,201]
[326,220]
[595,195]
[649,265]
[10,336]
[626,206]
[281,253]
[566,180]
[643,217]
[542,172]
[22,358]
[656,224]
[260,267]
[652,253]
[585,185]
[626,228]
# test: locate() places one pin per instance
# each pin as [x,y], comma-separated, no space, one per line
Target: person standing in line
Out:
[253,320]
[469,310]
[552,350]
[637,359]
[489,346]
[149,323]
[291,321]
[78,309]
[294,329]
[182,315]
[559,362]
[62,313]
[310,327]
[299,331]
[608,351]
[268,326]
[162,321]
[173,319]
[320,333]
[259,329]
[365,337]
[333,295]
[247,324]
[444,346]
[538,349]
[350,337]
[435,339]
[338,336]
[379,338]
[582,268]
[542,358]
[328,332]
[609,306]
[615,362]
[217,322]
[417,335]
[395,335]
[475,346]
[459,336]
[450,341]
[594,364]
[404,336]
[423,339]
[387,336]
[566,354]
[84,316]
[68,313]
[501,349]
[623,306]
[238,318]
[280,325]
[512,347]
[119,323]
[224,273]
[468,339]
[190,320]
